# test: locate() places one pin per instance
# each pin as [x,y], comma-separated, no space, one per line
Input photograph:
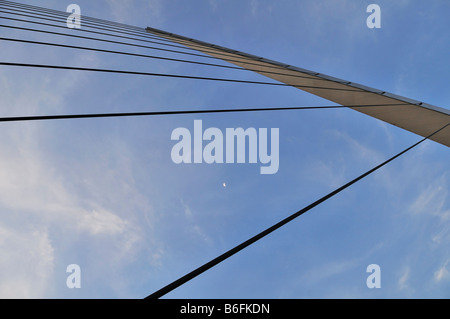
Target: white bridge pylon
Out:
[417,117]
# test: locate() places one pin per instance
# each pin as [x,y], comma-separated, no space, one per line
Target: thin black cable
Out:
[59,67]
[193,48]
[142,33]
[94,39]
[203,50]
[66,14]
[91,23]
[122,53]
[85,17]
[134,44]
[98,28]
[21,5]
[151,57]
[109,28]
[177,283]
[156,113]
[137,31]
[115,42]
[312,75]
[198,47]
[109,34]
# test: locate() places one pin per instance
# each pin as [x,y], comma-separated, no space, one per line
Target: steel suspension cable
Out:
[250,62]
[193,48]
[92,38]
[72,68]
[98,28]
[113,41]
[156,113]
[109,34]
[177,283]
[66,14]
[136,31]
[153,57]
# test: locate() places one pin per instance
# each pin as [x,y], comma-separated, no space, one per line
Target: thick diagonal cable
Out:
[177,283]
[156,113]
[191,77]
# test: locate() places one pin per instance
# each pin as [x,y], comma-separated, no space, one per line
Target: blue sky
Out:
[105,194]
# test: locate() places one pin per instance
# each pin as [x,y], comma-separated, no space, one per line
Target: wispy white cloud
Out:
[433,199]
[103,222]
[432,204]
[193,224]
[26,262]
[33,193]
[329,172]
[403,279]
[46,209]
[442,273]
[332,269]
